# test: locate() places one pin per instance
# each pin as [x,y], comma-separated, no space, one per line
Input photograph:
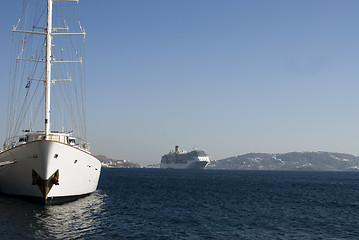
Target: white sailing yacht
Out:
[47,165]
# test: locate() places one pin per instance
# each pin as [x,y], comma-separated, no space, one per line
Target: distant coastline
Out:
[292,161]
[111,163]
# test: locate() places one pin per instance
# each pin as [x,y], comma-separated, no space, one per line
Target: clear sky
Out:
[225,76]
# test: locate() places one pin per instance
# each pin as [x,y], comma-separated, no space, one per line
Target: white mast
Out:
[49,33]
[48,68]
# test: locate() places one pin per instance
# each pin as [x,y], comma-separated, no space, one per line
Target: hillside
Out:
[293,161]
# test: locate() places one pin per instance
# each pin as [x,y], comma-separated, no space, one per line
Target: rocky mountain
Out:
[111,163]
[293,161]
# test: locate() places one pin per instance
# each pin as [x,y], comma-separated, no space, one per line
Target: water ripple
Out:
[157,204]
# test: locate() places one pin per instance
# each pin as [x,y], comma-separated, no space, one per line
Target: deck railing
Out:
[22,139]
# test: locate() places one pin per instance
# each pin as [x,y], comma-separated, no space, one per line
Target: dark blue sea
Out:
[196,204]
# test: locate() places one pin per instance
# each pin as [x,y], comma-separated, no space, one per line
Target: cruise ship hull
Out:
[48,171]
[194,164]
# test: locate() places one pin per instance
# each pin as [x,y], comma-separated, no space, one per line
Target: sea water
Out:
[196,204]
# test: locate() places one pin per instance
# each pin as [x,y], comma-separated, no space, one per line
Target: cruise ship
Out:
[177,159]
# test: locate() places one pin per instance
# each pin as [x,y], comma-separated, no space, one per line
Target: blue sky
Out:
[229,77]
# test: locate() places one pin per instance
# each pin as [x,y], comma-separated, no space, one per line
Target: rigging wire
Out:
[24,92]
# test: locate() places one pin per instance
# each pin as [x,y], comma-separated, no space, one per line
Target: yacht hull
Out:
[48,171]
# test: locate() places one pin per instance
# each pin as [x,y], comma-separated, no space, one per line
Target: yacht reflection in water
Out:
[71,220]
